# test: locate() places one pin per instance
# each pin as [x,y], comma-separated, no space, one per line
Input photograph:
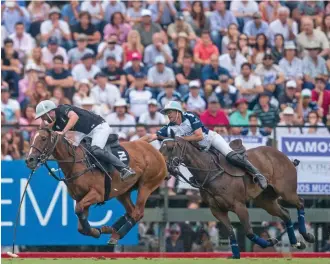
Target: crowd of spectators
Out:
[234,64]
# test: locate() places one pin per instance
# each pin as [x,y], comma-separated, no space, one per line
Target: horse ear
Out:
[172,134]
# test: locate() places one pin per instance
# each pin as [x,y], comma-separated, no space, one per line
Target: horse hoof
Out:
[310,238]
[272,242]
[300,245]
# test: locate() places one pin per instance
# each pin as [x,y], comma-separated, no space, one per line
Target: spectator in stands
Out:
[157,48]
[152,116]
[253,130]
[244,10]
[28,83]
[309,34]
[16,146]
[159,76]
[61,77]
[36,58]
[287,119]
[86,69]
[290,97]
[28,118]
[248,84]
[220,19]
[204,49]
[85,26]
[255,27]
[267,113]
[104,93]
[10,66]
[203,243]
[121,117]
[41,93]
[214,117]
[141,131]
[75,54]
[233,60]
[194,102]
[162,12]
[50,51]
[115,74]
[133,45]
[179,26]
[313,65]
[181,48]
[147,28]
[134,13]
[113,6]
[58,96]
[226,94]
[243,46]
[240,117]
[11,13]
[10,107]
[173,243]
[271,75]
[283,25]
[313,9]
[185,74]
[291,65]
[260,49]
[138,96]
[232,36]
[38,12]
[325,27]
[82,91]
[136,68]
[96,11]
[313,126]
[321,96]
[70,12]
[23,42]
[210,74]
[277,50]
[169,94]
[56,27]
[109,48]
[197,18]
[117,27]
[188,6]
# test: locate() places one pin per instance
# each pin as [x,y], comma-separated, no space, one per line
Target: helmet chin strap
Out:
[51,119]
[177,115]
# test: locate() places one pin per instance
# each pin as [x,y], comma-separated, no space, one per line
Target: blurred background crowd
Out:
[234,64]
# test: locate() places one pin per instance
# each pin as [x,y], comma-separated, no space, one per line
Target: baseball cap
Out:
[54,10]
[179,16]
[87,56]
[82,37]
[160,59]
[88,101]
[136,56]
[256,15]
[266,93]
[139,75]
[213,99]
[100,74]
[53,41]
[306,93]
[288,111]
[111,57]
[289,45]
[194,84]
[120,102]
[291,84]
[146,12]
[241,101]
[153,102]
[223,77]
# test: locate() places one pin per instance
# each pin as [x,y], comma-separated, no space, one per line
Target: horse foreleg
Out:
[224,219]
[243,215]
[81,210]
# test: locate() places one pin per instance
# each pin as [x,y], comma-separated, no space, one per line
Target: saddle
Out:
[111,145]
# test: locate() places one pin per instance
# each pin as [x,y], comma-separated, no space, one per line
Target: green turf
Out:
[165,261]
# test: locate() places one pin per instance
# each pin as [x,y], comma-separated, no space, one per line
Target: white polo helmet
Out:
[172,105]
[44,107]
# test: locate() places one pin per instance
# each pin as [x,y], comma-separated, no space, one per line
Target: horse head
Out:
[43,144]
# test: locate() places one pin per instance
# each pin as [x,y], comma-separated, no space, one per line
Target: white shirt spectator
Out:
[321,130]
[249,8]
[3,34]
[47,26]
[234,67]
[117,52]
[251,83]
[151,53]
[155,76]
[276,27]
[9,109]
[147,119]
[47,56]
[92,10]
[138,101]
[23,45]
[195,104]
[291,70]
[108,96]
[80,72]
[282,131]
[113,119]
[74,54]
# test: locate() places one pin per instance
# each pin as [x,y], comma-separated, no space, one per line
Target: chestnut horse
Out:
[86,184]
[225,188]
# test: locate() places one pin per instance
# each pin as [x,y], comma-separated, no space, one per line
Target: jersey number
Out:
[122,155]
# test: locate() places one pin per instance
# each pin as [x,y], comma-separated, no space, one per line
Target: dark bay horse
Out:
[87,186]
[225,193]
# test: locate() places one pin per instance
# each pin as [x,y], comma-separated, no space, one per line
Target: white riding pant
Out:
[218,142]
[99,135]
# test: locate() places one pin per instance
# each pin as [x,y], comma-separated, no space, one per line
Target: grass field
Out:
[166,261]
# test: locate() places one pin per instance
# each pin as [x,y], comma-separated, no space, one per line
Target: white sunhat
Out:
[120,102]
[288,111]
[291,83]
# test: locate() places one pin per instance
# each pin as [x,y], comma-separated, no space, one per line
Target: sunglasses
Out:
[174,232]
[232,49]
[111,43]
[223,81]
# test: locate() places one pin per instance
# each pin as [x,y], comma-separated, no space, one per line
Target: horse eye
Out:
[43,138]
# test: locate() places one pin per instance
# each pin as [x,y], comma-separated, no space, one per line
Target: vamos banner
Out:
[314,155]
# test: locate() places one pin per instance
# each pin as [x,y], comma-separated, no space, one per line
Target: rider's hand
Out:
[60,133]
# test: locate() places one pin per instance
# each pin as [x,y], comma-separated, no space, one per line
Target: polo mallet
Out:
[12,253]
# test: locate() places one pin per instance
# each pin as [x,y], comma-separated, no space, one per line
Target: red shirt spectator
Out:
[320,89]
[204,49]
[214,116]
